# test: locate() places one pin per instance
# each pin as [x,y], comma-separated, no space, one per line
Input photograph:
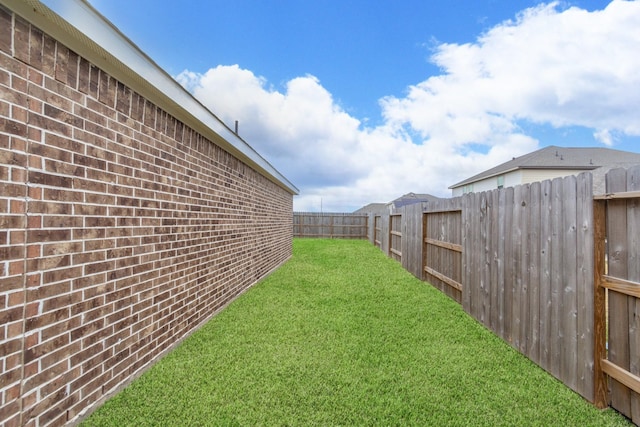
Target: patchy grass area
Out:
[342,335]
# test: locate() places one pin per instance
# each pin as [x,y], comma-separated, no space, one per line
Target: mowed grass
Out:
[342,335]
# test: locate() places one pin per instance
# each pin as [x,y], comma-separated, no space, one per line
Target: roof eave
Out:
[472,180]
[76,24]
[479,177]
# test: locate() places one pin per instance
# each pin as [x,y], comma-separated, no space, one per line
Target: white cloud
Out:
[604,136]
[548,66]
[305,134]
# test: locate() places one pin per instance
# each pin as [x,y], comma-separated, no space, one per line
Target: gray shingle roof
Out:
[553,157]
[372,208]
[411,198]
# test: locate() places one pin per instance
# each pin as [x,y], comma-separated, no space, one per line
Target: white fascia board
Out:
[80,27]
[482,178]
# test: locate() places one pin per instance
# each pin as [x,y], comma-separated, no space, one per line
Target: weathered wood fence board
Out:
[412,226]
[374,229]
[585,309]
[330,225]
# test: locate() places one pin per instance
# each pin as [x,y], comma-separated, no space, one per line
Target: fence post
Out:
[600,393]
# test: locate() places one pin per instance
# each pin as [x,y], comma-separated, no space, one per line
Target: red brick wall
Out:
[121,229]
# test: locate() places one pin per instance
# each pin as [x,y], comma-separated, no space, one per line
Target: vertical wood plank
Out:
[446,266]
[524,207]
[404,243]
[419,233]
[557,285]
[494,321]
[455,232]
[384,232]
[508,265]
[431,254]
[499,263]
[516,262]
[416,239]
[468,248]
[545,274]
[533,331]
[425,234]
[476,256]
[484,263]
[440,234]
[585,287]
[569,327]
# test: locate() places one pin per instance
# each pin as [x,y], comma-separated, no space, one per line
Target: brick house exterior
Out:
[126,220]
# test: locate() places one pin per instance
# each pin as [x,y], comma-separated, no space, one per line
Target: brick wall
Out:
[121,229]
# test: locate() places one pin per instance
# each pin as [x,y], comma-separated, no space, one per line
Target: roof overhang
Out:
[506,171]
[78,25]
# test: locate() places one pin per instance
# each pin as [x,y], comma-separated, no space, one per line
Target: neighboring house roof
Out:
[553,157]
[407,199]
[84,30]
[372,208]
[411,198]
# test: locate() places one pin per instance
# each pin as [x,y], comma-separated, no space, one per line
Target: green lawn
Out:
[342,335]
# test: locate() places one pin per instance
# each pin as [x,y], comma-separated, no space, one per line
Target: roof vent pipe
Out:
[236,127]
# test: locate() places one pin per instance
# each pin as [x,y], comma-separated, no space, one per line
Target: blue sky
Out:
[362,101]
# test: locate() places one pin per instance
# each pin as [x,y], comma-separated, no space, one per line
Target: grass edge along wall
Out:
[124,227]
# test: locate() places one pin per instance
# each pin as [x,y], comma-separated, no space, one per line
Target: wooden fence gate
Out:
[620,276]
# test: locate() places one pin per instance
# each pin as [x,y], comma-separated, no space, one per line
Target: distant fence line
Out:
[528,262]
[331,225]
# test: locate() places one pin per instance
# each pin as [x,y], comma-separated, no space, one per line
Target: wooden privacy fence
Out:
[528,263]
[618,213]
[528,273]
[330,225]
